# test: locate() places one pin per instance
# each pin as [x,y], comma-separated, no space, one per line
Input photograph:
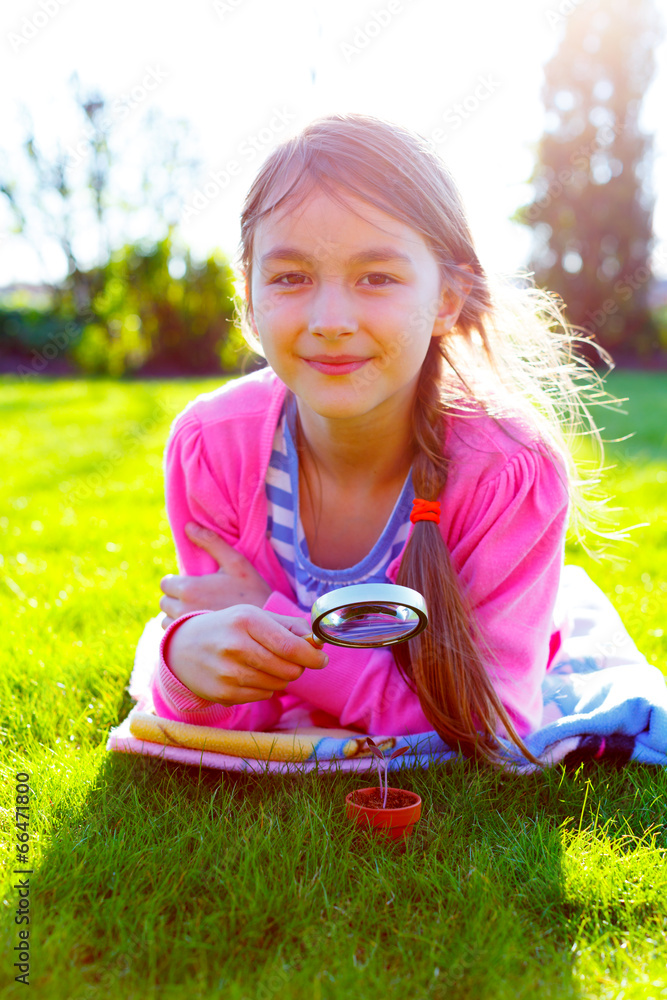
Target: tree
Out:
[132,299]
[592,211]
[124,177]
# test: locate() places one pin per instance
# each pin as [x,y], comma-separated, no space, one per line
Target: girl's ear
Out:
[452,302]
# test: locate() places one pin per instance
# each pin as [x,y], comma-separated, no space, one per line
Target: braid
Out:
[444,661]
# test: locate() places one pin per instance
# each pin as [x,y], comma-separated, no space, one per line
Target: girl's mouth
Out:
[338,368]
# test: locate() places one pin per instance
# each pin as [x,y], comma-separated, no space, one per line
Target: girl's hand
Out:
[241,654]
[236,582]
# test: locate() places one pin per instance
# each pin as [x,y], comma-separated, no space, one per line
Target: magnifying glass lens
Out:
[370,624]
[368,614]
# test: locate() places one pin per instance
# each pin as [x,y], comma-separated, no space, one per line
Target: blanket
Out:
[602,700]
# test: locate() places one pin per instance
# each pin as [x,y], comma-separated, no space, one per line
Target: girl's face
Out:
[327,283]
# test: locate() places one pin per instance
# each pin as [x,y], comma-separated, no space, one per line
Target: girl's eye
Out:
[385,277]
[292,274]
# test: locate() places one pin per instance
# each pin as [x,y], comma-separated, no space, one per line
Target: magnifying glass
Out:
[368,614]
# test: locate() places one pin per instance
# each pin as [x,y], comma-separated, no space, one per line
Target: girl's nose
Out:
[332,312]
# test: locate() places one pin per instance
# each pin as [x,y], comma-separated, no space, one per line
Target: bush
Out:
[147,311]
[142,319]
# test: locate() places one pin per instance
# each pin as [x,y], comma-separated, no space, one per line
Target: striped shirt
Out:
[287,536]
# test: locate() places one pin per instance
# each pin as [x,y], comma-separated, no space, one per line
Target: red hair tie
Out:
[425,510]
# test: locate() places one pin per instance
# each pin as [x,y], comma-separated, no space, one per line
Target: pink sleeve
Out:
[193,493]
[173,700]
[508,556]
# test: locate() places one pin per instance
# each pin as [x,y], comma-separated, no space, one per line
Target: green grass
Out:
[157,880]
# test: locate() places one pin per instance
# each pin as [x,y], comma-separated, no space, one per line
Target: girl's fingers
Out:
[212,543]
[229,559]
[253,694]
[248,678]
[171,607]
[260,666]
[298,626]
[172,585]
[288,649]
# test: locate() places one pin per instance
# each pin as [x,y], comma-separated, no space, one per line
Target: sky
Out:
[247,74]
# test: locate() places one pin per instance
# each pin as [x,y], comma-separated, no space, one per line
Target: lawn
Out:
[157,880]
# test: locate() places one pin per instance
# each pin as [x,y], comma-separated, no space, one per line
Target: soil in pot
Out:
[374,799]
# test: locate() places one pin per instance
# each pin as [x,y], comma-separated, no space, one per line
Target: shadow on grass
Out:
[165,876]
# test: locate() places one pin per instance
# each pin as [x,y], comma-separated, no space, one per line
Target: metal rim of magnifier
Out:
[368,593]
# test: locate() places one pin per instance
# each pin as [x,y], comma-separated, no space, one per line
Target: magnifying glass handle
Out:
[314,641]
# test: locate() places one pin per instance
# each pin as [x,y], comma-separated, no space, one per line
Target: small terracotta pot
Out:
[396,824]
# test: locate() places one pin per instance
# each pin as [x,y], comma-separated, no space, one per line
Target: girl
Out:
[411,427]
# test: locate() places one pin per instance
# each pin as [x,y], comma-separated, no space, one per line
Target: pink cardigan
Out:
[503,519]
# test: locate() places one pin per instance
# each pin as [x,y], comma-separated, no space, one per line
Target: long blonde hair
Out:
[511,352]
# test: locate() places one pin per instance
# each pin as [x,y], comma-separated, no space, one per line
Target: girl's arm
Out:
[191,489]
